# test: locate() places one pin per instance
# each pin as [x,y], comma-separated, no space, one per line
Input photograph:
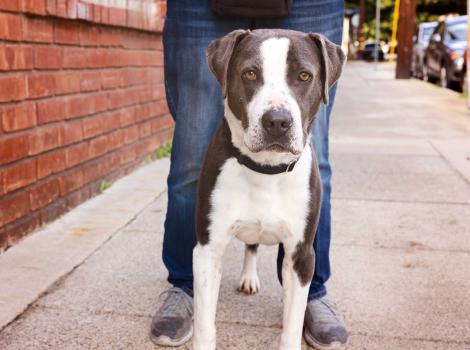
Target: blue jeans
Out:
[195,102]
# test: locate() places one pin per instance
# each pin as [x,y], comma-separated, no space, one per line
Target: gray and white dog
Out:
[260,180]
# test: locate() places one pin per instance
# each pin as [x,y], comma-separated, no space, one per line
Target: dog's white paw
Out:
[249,283]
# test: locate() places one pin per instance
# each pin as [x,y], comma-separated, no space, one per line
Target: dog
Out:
[260,179]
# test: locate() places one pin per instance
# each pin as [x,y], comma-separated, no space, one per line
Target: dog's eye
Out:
[304,76]
[249,75]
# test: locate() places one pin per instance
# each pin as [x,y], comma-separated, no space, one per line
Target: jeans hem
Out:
[316,295]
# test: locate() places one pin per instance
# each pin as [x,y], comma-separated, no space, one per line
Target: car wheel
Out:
[443,80]
[464,86]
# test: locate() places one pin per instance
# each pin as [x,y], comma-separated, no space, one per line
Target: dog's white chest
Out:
[260,208]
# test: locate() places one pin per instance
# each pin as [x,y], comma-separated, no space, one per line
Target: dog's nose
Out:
[277,122]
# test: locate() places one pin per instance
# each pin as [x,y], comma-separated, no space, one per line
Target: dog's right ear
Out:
[219,53]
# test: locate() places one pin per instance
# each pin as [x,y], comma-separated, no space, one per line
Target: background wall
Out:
[81,100]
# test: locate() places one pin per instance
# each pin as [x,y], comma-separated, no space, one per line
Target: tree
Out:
[427,10]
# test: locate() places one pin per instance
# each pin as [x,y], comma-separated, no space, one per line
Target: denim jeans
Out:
[195,102]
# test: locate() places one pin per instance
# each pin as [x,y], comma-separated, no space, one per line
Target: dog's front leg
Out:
[294,300]
[207,270]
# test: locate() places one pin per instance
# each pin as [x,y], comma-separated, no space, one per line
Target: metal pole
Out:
[468,55]
[377,31]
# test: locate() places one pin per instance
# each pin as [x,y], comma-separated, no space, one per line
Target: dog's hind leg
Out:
[249,281]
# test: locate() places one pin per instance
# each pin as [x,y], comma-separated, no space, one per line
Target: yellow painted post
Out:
[394,30]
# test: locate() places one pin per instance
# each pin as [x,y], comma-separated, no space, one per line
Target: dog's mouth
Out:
[275,147]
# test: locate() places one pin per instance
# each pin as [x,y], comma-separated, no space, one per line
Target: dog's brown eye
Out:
[250,75]
[304,76]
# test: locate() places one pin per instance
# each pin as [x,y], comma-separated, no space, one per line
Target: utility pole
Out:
[406,27]
[468,55]
[377,32]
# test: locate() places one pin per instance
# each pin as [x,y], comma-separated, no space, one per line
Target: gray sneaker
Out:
[323,328]
[172,324]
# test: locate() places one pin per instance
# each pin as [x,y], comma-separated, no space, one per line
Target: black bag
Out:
[252,9]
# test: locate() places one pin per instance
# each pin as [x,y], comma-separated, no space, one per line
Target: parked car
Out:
[368,54]
[420,44]
[444,59]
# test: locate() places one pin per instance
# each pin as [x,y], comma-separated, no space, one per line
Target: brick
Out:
[41,85]
[117,16]
[72,8]
[48,57]
[2,183]
[115,139]
[10,5]
[34,6]
[77,197]
[98,146]
[90,81]
[161,123]
[21,227]
[20,175]
[43,139]
[51,7]
[84,11]
[50,163]
[67,83]
[44,194]
[15,57]
[111,121]
[127,116]
[93,171]
[145,130]
[12,87]
[126,155]
[13,148]
[74,57]
[131,134]
[98,102]
[111,79]
[93,126]
[96,58]
[61,8]
[50,110]
[76,107]
[71,180]
[53,210]
[70,132]
[37,30]
[18,117]
[89,35]
[14,207]
[66,32]
[111,162]
[76,154]
[10,27]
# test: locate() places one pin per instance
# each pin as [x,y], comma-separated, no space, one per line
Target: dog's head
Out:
[273,82]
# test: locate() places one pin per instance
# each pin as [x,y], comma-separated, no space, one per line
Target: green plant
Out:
[104,185]
[162,152]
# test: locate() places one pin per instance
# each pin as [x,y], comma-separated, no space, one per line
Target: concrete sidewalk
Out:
[400,252]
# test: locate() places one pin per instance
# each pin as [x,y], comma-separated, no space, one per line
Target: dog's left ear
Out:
[332,59]
[219,53]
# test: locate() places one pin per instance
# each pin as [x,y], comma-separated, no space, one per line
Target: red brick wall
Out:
[81,100]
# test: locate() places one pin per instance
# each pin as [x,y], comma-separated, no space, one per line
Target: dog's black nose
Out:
[277,122]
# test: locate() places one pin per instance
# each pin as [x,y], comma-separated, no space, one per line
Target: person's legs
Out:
[195,103]
[325,17]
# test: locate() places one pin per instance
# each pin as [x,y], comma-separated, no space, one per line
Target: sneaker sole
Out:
[166,341]
[317,345]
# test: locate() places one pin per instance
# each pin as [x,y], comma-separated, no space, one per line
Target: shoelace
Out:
[175,299]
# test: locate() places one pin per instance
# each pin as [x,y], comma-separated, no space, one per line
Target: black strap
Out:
[260,168]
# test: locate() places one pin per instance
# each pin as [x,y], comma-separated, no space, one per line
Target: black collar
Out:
[260,168]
